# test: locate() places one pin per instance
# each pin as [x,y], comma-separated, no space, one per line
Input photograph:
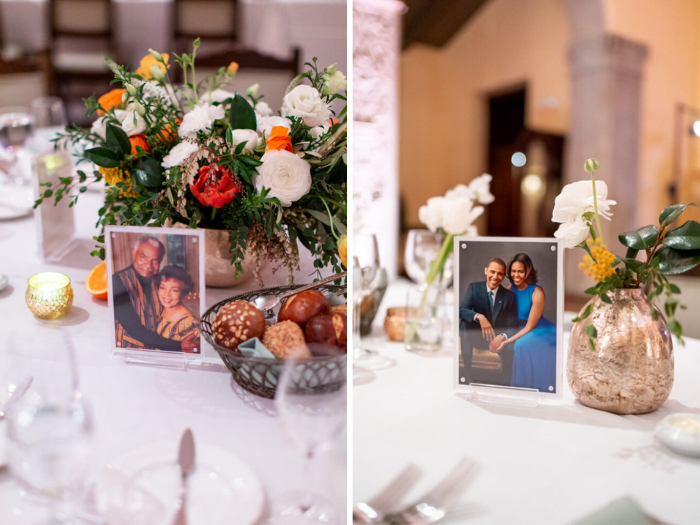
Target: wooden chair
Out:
[82,34]
[214,21]
[273,74]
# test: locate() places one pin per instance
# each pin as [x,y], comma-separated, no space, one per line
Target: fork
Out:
[374,509]
[434,506]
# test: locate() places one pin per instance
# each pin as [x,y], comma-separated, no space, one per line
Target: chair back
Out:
[210,20]
[81,19]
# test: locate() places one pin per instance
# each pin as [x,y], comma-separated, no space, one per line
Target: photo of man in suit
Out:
[488,315]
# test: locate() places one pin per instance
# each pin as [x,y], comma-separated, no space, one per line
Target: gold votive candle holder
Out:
[395,322]
[49,295]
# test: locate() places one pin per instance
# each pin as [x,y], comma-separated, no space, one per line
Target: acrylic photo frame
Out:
[491,377]
[182,258]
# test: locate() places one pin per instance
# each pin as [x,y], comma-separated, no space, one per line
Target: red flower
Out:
[214,186]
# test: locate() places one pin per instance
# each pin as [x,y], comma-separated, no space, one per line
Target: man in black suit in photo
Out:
[488,315]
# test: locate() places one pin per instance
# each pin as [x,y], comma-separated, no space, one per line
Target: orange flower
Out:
[168,133]
[232,68]
[110,100]
[279,139]
[139,140]
[343,250]
[147,64]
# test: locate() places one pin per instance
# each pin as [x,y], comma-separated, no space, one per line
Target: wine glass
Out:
[49,112]
[312,410]
[15,129]
[365,271]
[422,248]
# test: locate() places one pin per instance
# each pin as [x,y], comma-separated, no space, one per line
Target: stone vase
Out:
[631,369]
[219,272]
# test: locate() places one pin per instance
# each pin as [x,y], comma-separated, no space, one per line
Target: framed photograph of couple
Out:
[509,311]
[156,291]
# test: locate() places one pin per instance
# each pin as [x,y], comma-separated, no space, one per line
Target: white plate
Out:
[15,201]
[142,487]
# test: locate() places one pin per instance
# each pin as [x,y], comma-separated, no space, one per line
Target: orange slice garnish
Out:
[96,282]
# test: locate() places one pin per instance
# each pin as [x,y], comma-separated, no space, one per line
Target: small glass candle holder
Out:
[424,325]
[49,295]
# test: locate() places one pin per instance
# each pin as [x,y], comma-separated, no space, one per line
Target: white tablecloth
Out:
[138,405]
[317,27]
[550,464]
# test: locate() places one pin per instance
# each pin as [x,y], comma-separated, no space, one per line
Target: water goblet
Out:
[313,412]
[16,125]
[422,248]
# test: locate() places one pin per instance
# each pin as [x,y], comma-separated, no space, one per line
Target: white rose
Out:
[133,124]
[179,153]
[99,127]
[458,214]
[334,83]
[305,102]
[265,124]
[287,176]
[200,118]
[248,136]
[218,95]
[481,189]
[574,232]
[576,199]
[431,213]
[319,131]
[263,109]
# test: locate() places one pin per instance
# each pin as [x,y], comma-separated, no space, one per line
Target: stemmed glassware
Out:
[49,112]
[313,412]
[422,248]
[368,288]
[16,124]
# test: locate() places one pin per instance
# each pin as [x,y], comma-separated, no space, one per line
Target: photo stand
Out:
[547,249]
[183,241]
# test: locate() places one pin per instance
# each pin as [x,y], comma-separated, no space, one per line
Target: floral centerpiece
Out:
[620,351]
[208,158]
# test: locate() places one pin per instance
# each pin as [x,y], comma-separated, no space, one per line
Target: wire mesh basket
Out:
[259,375]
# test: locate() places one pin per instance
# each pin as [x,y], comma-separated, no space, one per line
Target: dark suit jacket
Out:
[503,317]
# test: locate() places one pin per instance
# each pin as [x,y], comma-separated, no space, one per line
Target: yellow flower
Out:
[602,266]
[343,250]
[114,175]
[147,64]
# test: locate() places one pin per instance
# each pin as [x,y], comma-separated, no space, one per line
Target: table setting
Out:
[539,458]
[165,429]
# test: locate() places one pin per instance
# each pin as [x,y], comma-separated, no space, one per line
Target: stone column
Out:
[607,79]
[375,124]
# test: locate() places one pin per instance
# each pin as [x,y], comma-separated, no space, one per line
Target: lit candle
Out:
[681,433]
[49,295]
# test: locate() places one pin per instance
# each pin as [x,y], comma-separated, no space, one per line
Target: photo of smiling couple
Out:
[505,338]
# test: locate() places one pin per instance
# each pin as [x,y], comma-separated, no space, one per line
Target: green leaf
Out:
[631,253]
[148,172]
[673,262]
[240,147]
[118,140]
[242,114]
[686,237]
[103,157]
[654,314]
[604,297]
[591,331]
[674,288]
[640,239]
[586,313]
[591,291]
[671,213]
[675,328]
[591,344]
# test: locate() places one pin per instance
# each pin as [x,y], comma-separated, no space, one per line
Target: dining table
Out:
[550,463]
[136,406]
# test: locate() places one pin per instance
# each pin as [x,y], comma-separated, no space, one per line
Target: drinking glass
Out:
[49,112]
[49,449]
[15,129]
[422,248]
[313,413]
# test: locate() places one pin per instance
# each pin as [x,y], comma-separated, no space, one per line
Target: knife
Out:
[15,394]
[185,459]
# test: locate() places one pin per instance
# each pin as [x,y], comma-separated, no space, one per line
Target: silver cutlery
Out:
[14,393]
[435,505]
[185,459]
[266,303]
[373,510]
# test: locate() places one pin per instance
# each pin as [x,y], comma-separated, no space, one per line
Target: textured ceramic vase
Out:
[631,369]
[220,273]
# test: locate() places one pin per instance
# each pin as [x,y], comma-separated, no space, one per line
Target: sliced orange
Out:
[96,282]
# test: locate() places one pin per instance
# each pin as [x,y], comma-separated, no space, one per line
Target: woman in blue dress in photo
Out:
[535,350]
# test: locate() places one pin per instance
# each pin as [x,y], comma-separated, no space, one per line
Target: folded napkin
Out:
[624,511]
[254,348]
